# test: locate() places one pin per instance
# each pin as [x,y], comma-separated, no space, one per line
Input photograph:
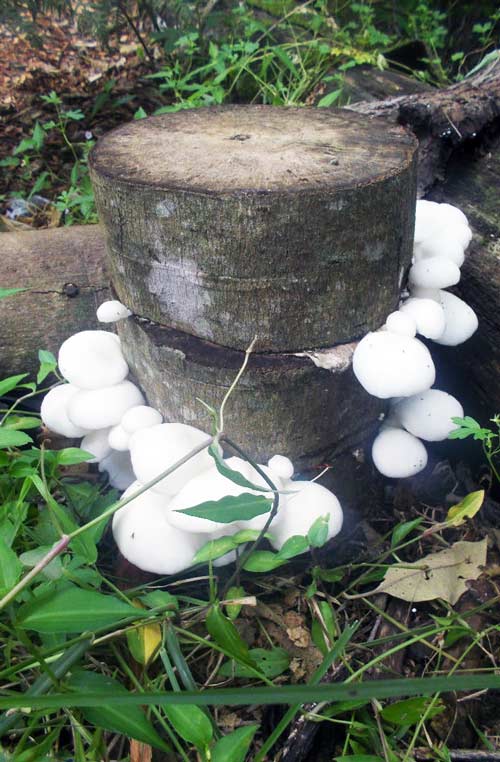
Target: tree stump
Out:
[294,225]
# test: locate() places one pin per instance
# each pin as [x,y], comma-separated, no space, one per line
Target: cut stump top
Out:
[255,149]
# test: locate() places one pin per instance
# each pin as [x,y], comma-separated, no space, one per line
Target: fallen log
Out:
[62,270]
[443,120]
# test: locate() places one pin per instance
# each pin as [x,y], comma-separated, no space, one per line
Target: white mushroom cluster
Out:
[393,364]
[129,440]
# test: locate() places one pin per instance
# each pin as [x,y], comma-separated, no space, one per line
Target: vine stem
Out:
[66,539]
[244,364]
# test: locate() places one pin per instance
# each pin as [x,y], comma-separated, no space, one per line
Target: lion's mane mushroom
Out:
[54,411]
[92,360]
[309,502]
[99,408]
[153,450]
[398,454]
[146,538]
[388,364]
[429,415]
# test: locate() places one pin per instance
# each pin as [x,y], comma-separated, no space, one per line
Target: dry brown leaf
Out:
[438,575]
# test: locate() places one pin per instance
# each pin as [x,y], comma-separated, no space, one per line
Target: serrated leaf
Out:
[74,610]
[230,508]
[465,509]
[129,720]
[191,723]
[270,662]
[234,747]
[12,438]
[438,575]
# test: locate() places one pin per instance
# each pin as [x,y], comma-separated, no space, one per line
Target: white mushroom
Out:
[112,311]
[442,247]
[211,485]
[140,417]
[389,365]
[54,411]
[428,415]
[461,320]
[92,359]
[155,449]
[398,454]
[398,322]
[97,443]
[434,272]
[426,219]
[119,469]
[427,314]
[119,438]
[99,408]
[146,539]
[280,466]
[452,214]
[310,502]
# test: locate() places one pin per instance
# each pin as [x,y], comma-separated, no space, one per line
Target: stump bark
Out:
[292,225]
[63,272]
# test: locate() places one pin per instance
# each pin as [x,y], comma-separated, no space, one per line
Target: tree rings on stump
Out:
[292,225]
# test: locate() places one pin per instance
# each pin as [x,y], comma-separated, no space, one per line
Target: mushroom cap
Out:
[140,417]
[54,411]
[453,214]
[155,449]
[281,466]
[426,219]
[97,443]
[428,415]
[92,359]
[119,469]
[398,322]
[443,246]
[310,501]
[461,320]
[112,311]
[119,438]
[435,272]
[398,454]
[212,485]
[389,365]
[146,539]
[462,234]
[99,408]
[427,314]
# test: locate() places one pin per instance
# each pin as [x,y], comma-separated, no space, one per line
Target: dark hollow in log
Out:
[63,270]
[282,404]
[292,225]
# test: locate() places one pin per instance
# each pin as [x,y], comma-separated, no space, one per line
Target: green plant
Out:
[490,438]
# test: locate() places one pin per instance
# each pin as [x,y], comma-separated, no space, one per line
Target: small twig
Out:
[244,364]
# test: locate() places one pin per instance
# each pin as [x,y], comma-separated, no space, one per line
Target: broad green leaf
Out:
[410,711]
[71,456]
[233,609]
[234,747]
[21,422]
[10,292]
[465,509]
[263,561]
[330,98]
[246,535]
[144,642]
[129,720]
[74,610]
[270,663]
[328,575]
[231,508]
[10,567]
[227,636]
[53,570]
[231,474]
[318,533]
[11,438]
[159,598]
[8,384]
[403,530]
[214,549]
[48,364]
[191,723]
[292,547]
